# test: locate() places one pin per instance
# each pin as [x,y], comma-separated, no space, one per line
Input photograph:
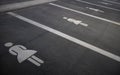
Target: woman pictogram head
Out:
[8,44]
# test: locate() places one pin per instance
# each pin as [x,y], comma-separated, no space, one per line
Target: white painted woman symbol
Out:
[23,53]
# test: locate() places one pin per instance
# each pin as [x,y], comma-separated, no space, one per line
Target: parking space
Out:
[94,33]
[102,3]
[91,9]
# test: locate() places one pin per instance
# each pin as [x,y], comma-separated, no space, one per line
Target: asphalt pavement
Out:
[72,37]
[2,2]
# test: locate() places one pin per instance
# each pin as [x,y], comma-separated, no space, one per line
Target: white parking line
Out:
[68,37]
[96,17]
[98,5]
[112,2]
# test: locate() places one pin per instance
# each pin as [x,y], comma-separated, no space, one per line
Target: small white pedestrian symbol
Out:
[23,53]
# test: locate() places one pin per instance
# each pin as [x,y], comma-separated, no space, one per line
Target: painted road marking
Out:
[76,22]
[112,2]
[94,9]
[105,3]
[68,37]
[23,53]
[98,5]
[96,17]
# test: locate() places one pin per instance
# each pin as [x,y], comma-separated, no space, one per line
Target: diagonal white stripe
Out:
[68,37]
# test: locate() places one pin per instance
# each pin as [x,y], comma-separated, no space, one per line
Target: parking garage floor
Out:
[72,37]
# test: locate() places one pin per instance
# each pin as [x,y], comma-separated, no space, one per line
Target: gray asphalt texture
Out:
[2,2]
[61,56]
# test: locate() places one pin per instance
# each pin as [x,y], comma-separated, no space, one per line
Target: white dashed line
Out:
[96,17]
[68,37]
